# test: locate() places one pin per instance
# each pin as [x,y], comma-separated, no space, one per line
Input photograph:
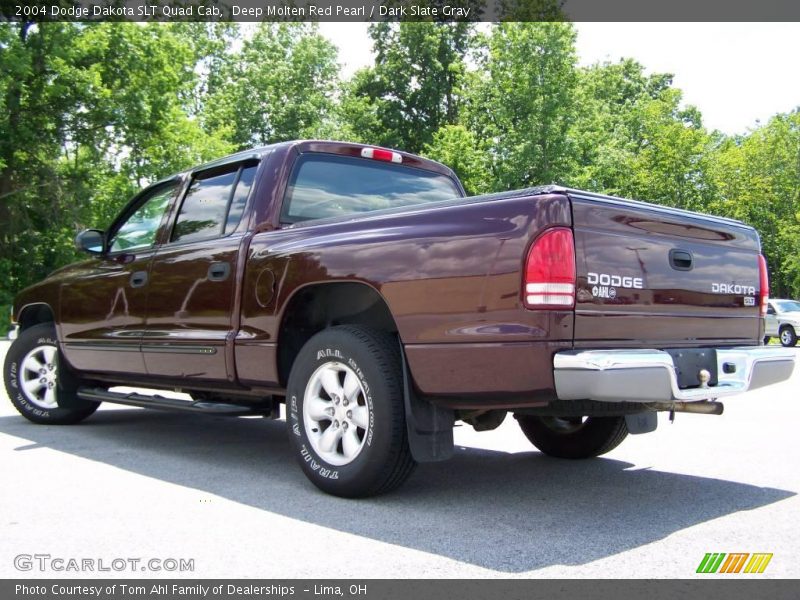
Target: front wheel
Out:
[574,437]
[37,384]
[788,336]
[346,413]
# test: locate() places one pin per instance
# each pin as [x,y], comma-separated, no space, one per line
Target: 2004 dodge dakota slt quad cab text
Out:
[359,286]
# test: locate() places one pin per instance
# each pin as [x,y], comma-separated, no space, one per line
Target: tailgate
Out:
[656,277]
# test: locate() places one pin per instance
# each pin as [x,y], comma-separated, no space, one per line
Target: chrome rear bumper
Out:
[650,375]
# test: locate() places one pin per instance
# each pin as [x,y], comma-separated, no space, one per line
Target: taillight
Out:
[763,284]
[550,270]
[380,154]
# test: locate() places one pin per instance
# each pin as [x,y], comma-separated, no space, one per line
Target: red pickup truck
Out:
[359,286]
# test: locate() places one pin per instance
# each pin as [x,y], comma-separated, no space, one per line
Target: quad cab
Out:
[359,288]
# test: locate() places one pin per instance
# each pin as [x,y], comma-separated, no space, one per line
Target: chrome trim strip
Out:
[103,347]
[178,349]
[153,348]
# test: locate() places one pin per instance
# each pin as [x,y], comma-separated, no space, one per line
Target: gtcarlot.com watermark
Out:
[45,563]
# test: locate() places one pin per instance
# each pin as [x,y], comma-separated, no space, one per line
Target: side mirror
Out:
[92,241]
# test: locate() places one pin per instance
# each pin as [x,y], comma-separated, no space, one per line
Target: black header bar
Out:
[403,10]
[734,588]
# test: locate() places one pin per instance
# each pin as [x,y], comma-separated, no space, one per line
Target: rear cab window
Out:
[327,185]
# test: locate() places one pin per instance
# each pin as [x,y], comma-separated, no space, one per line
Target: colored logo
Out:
[734,562]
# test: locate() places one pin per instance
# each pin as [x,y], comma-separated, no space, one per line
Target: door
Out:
[193,279]
[103,307]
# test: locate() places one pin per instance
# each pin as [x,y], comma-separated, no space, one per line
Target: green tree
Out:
[757,177]
[415,86]
[88,113]
[603,131]
[278,86]
[459,149]
[669,161]
[633,137]
[522,102]
[36,95]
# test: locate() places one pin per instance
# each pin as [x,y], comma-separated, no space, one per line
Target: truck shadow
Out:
[506,512]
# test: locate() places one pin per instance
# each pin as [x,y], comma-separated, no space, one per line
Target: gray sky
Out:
[735,73]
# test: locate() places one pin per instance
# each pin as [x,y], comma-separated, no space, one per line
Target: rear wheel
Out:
[788,336]
[346,413]
[38,384]
[574,437]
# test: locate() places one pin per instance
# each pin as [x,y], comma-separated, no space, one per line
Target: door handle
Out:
[219,271]
[680,260]
[139,279]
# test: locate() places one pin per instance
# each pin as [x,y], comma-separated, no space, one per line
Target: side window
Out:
[139,231]
[239,198]
[214,204]
[770,309]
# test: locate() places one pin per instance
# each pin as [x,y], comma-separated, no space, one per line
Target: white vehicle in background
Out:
[782,321]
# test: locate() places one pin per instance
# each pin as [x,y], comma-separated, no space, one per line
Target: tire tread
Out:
[397,463]
[599,436]
[386,350]
[55,416]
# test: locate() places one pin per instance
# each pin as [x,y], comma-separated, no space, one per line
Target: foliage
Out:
[278,87]
[88,114]
[522,103]
[757,178]
[459,149]
[415,86]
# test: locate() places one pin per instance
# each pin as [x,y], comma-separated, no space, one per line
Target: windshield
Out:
[787,305]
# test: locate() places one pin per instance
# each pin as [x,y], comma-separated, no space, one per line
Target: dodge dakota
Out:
[359,289]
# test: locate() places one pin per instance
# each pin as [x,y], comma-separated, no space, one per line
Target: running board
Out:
[173,404]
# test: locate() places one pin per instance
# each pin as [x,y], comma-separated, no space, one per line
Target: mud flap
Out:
[430,428]
[68,388]
[643,422]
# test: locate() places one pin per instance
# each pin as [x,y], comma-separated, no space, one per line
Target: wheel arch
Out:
[317,306]
[34,314]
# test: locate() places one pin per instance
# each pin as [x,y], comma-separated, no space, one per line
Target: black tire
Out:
[377,458]
[571,437]
[787,336]
[58,384]
[766,340]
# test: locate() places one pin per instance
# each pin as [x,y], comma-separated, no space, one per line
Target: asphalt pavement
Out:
[224,497]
